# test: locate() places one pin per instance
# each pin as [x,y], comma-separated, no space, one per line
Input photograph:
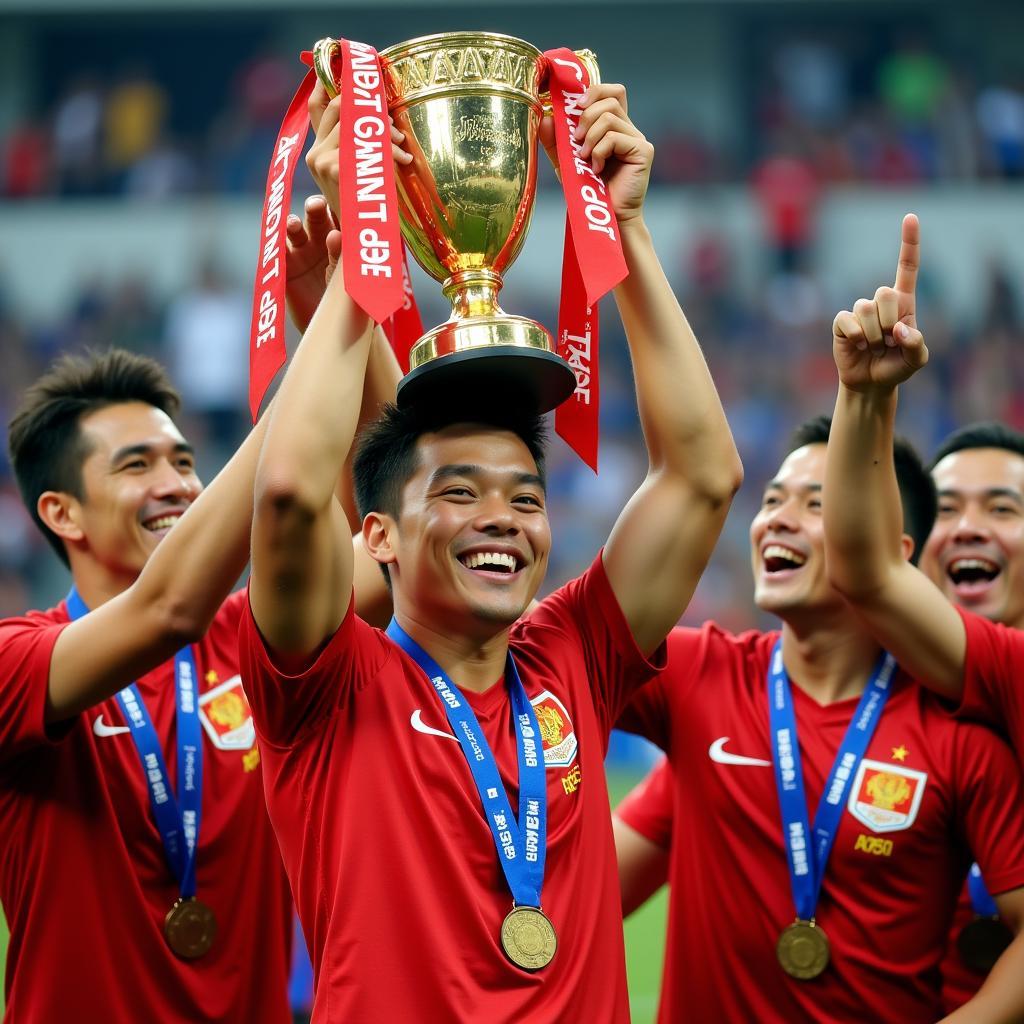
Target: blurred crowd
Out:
[820,112]
[769,352]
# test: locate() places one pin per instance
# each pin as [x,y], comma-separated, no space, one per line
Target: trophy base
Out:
[532,380]
[495,360]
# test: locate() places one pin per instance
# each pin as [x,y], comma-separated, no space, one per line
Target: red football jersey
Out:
[993,694]
[83,877]
[930,791]
[647,807]
[394,868]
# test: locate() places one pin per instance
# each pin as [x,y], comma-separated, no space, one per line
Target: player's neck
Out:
[831,661]
[95,583]
[472,663]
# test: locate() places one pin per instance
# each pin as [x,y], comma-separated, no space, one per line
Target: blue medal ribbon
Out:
[807,854]
[981,898]
[522,843]
[177,820]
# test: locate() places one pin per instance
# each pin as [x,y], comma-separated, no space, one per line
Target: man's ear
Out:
[907,545]
[378,530]
[61,512]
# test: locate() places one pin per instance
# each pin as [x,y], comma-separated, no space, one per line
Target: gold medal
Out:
[803,950]
[190,928]
[981,943]
[528,938]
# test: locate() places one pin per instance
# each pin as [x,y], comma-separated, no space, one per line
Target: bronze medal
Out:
[528,938]
[981,943]
[190,928]
[803,950]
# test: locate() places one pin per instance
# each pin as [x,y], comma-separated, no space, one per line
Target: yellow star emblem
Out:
[211,677]
[251,760]
[900,753]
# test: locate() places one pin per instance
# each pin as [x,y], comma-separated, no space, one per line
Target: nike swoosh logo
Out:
[102,729]
[720,755]
[420,726]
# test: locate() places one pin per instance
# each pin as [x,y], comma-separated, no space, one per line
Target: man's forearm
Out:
[862,512]
[682,417]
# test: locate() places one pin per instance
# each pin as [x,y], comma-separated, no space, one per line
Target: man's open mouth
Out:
[164,522]
[778,558]
[492,561]
[972,572]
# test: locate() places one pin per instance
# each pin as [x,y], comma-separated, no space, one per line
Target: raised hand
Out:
[878,346]
[307,261]
[322,158]
[615,147]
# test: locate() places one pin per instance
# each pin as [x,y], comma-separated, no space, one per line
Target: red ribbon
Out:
[267,353]
[592,262]
[404,327]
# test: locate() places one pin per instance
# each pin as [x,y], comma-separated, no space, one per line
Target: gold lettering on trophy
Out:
[486,128]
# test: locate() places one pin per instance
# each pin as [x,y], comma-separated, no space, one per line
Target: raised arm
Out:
[877,346]
[302,558]
[665,534]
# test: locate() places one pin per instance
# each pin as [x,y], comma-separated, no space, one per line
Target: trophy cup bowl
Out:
[470,106]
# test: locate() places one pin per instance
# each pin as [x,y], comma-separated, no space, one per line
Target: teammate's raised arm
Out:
[664,536]
[877,346]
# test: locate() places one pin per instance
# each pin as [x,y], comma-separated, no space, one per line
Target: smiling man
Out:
[819,809]
[141,874]
[439,789]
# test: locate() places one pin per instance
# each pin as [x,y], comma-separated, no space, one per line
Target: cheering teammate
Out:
[112,915]
[943,634]
[439,791]
[767,733]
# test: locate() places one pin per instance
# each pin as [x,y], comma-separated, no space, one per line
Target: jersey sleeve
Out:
[26,648]
[286,708]
[649,712]
[648,807]
[990,796]
[586,612]
[993,673]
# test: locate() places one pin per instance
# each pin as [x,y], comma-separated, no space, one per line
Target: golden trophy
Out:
[470,105]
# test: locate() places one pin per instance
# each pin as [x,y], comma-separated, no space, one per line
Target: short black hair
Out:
[917,489]
[44,440]
[386,455]
[987,434]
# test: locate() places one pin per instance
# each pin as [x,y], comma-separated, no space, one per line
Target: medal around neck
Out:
[190,928]
[981,943]
[803,950]
[528,938]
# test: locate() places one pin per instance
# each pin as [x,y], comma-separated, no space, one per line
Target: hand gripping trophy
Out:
[470,105]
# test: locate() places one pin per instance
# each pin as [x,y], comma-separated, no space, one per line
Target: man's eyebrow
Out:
[466,469]
[988,492]
[181,448]
[776,485]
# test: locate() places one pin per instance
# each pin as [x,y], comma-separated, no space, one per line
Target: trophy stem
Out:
[473,293]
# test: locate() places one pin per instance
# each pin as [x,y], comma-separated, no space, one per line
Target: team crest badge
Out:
[556,732]
[886,797]
[226,716]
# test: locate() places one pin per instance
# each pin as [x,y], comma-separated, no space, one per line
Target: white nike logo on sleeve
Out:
[720,755]
[420,726]
[101,729]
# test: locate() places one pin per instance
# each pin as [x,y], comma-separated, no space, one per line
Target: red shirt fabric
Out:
[394,869]
[993,693]
[647,807]
[83,877]
[895,870]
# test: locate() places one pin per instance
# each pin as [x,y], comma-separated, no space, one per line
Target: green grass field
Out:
[645,939]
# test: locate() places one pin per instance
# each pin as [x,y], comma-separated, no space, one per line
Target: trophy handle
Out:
[588,59]
[324,52]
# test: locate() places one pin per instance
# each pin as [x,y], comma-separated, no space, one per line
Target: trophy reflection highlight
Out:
[470,105]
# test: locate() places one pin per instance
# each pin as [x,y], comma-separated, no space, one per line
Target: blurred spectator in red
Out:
[26,161]
[786,187]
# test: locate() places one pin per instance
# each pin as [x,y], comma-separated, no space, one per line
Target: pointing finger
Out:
[910,255]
